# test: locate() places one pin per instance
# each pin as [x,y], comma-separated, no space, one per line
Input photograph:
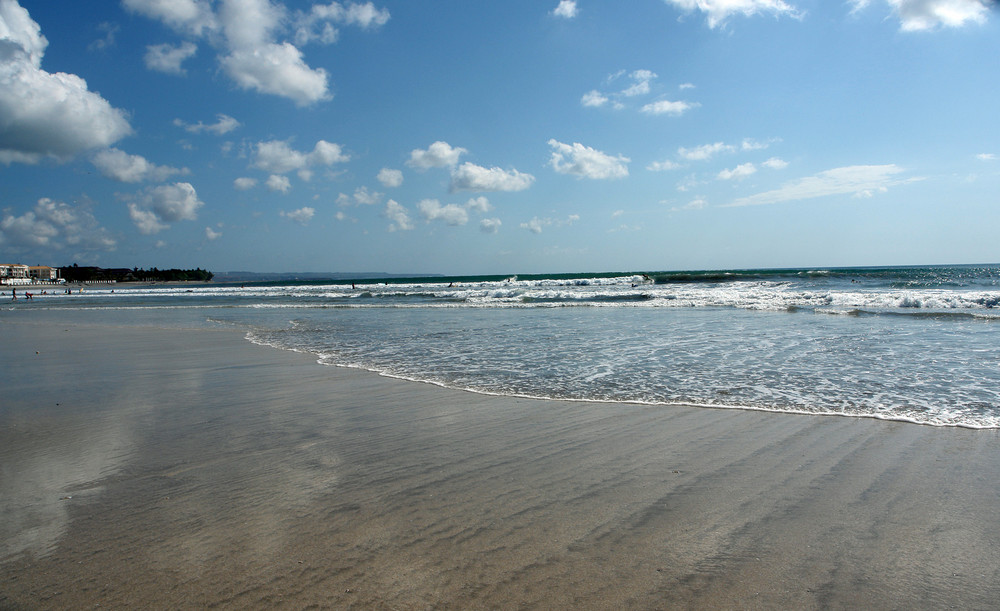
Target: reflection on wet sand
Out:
[205,471]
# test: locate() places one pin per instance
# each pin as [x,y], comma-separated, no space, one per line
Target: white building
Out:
[14,273]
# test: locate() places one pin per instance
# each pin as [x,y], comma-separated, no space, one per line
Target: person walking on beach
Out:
[13,294]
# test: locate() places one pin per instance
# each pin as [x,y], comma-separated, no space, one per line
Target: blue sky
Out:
[522,136]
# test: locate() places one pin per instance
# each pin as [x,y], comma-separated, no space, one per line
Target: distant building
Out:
[14,273]
[43,273]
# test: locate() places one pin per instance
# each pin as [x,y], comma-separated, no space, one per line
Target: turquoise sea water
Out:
[918,344]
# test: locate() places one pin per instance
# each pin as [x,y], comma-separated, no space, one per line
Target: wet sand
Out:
[170,468]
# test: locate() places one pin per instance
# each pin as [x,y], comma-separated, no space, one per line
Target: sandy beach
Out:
[179,468]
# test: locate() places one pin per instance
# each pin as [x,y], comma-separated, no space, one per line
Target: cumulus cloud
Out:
[362,197]
[585,162]
[986,157]
[718,11]
[666,107]
[41,113]
[451,214]
[479,204]
[662,166]
[471,177]
[858,180]
[244,183]
[249,35]
[775,163]
[278,183]
[168,58]
[186,16]
[277,69]
[223,125]
[535,225]
[922,15]
[398,216]
[52,225]
[390,178]
[640,84]
[119,165]
[438,155]
[705,151]
[211,234]
[155,207]
[277,157]
[594,98]
[317,24]
[302,216]
[491,225]
[566,9]
[739,172]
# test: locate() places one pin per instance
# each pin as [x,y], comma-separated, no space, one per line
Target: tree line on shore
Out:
[75,273]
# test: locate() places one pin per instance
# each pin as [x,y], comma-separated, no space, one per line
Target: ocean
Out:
[913,344]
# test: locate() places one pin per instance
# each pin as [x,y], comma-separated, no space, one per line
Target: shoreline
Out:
[164,468]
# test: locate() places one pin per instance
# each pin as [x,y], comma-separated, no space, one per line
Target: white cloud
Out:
[749,144]
[41,113]
[390,178]
[244,183]
[168,58]
[986,156]
[640,84]
[119,165]
[279,183]
[362,197]
[212,235]
[859,180]
[922,15]
[739,172]
[775,163]
[567,9]
[187,16]
[317,23]
[145,219]
[479,204]
[277,157]
[248,34]
[705,151]
[223,125]
[718,11]
[695,204]
[451,214]
[585,162]
[155,207]
[662,166]
[52,225]
[302,216]
[491,225]
[277,69]
[666,107]
[471,177]
[398,216]
[594,98]
[438,155]
[535,225]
